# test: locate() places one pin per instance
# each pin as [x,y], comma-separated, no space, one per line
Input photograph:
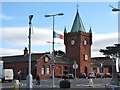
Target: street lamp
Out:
[117,60]
[29,76]
[59,14]
[114,9]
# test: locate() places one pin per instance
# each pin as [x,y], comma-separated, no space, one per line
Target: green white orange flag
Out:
[56,35]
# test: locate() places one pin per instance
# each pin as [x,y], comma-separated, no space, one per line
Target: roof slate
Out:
[95,62]
[62,60]
[34,58]
[77,24]
[22,58]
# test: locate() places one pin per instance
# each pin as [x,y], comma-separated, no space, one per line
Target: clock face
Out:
[85,42]
[46,59]
[72,42]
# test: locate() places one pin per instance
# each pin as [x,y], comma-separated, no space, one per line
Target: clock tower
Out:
[78,45]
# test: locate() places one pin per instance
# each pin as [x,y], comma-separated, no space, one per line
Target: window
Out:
[48,70]
[85,57]
[43,70]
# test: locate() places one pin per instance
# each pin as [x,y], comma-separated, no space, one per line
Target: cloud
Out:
[18,37]
[10,52]
[101,41]
[5,17]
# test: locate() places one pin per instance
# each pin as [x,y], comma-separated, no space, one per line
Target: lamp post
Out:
[53,72]
[29,76]
[114,9]
[117,59]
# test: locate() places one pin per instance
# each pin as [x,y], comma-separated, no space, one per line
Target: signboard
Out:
[75,65]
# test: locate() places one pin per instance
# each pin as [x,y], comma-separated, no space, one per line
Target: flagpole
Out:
[53,67]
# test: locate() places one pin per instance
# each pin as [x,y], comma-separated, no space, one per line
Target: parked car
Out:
[82,75]
[99,75]
[91,75]
[108,75]
[70,76]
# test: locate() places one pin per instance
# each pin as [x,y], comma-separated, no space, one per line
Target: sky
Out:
[15,25]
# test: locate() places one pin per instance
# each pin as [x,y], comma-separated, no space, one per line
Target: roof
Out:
[77,24]
[106,61]
[62,60]
[34,57]
[22,58]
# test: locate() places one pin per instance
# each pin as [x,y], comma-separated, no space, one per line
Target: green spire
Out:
[78,24]
[65,31]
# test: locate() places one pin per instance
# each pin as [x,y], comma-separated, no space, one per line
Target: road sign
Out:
[75,65]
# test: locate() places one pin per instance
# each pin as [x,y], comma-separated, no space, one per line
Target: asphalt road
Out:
[80,83]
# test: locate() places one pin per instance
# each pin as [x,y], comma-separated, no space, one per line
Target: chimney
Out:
[25,51]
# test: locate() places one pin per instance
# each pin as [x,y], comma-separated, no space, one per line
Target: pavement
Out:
[82,84]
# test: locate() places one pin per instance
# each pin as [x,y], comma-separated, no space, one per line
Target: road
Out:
[81,83]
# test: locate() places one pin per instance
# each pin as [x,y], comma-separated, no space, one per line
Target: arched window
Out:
[43,70]
[48,70]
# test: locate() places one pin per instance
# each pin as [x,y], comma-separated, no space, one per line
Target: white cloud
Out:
[98,37]
[3,16]
[10,52]
[101,41]
[18,37]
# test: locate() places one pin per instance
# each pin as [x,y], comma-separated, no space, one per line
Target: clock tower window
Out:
[85,57]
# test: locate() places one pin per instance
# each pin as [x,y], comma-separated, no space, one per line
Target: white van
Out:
[8,75]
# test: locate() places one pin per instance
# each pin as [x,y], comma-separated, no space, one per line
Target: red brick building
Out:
[41,65]
[44,68]
[107,64]
[78,48]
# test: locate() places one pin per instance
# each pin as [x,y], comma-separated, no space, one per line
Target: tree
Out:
[113,52]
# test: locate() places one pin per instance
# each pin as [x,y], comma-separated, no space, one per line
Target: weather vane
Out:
[77,6]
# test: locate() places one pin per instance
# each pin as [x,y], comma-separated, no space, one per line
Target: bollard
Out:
[90,82]
[16,84]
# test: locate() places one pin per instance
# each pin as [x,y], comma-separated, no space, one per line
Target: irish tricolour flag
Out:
[56,35]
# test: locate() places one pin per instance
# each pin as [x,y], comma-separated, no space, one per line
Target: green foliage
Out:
[113,51]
